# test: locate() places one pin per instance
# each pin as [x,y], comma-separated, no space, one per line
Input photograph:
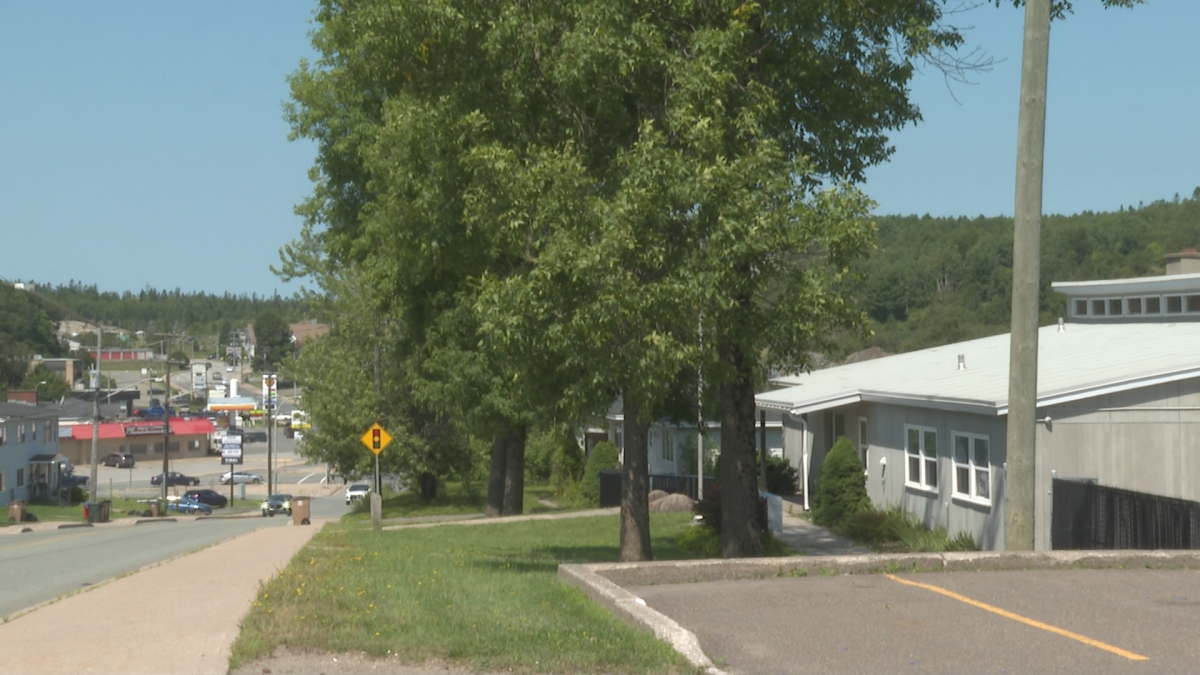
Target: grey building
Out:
[28,451]
[1118,402]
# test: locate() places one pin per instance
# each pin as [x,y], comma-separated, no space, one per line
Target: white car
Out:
[240,477]
[356,491]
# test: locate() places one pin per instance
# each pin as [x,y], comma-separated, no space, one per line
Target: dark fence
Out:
[1090,516]
[610,485]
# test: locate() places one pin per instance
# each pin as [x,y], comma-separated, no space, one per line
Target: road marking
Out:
[48,541]
[1027,621]
[307,477]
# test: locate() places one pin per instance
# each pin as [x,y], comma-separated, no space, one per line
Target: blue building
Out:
[28,451]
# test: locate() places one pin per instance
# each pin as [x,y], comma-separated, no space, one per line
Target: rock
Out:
[676,502]
[656,495]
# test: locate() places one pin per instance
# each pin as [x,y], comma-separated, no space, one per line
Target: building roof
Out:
[135,428]
[307,331]
[25,411]
[1081,361]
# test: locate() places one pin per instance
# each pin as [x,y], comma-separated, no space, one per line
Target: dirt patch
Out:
[291,661]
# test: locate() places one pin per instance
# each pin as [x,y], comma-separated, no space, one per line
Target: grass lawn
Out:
[484,596]
[120,509]
[452,499]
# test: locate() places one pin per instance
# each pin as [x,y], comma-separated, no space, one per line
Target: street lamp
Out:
[35,392]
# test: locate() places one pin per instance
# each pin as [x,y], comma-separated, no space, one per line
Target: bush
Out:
[704,541]
[892,529]
[782,477]
[841,492]
[604,456]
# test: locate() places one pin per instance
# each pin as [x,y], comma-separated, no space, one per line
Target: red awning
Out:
[179,427]
[188,427]
[83,432]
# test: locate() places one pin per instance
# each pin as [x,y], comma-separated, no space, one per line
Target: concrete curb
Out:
[603,582]
[634,611]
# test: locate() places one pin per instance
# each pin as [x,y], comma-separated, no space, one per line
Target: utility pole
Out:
[166,421]
[93,480]
[1027,231]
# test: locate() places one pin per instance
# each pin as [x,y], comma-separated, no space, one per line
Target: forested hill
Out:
[175,310]
[934,281]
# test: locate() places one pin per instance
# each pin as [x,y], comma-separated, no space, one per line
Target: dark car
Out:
[121,460]
[175,478]
[277,504]
[211,497]
[188,505]
[71,480]
[254,437]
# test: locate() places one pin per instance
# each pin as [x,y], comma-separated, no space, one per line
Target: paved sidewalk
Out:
[170,620]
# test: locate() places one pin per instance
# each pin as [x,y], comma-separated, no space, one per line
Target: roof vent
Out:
[1061,327]
[962,361]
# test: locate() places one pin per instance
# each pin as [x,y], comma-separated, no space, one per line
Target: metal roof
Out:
[1082,361]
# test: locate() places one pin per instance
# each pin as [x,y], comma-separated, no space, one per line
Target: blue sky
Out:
[143,144]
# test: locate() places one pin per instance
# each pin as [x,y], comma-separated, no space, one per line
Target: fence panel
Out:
[1090,516]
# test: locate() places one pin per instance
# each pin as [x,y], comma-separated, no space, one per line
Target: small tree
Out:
[604,456]
[841,492]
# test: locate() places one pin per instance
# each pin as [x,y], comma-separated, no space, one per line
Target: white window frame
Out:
[21,433]
[927,462]
[668,445]
[33,431]
[972,467]
[864,450]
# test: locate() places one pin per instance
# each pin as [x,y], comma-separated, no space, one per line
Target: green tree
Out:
[840,490]
[54,386]
[274,340]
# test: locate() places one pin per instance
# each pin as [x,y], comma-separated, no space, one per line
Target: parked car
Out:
[277,504]
[229,369]
[211,497]
[121,460]
[357,490]
[240,477]
[188,505]
[175,478]
[71,480]
[254,437]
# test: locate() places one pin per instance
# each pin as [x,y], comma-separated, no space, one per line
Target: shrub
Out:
[566,468]
[782,477]
[604,456]
[893,529]
[841,492]
[704,541]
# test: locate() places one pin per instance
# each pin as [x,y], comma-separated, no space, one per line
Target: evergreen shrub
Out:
[604,456]
[841,492]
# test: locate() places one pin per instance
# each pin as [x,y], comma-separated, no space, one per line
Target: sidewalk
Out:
[163,619]
[809,539]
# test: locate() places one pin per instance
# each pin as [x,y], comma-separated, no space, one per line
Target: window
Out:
[921,450]
[1081,308]
[1174,304]
[1114,307]
[1,480]
[20,477]
[20,433]
[1193,303]
[1153,306]
[3,434]
[863,452]
[33,430]
[1134,305]
[668,446]
[1098,307]
[972,470]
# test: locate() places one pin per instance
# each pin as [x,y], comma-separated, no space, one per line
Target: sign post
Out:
[376,439]
[231,454]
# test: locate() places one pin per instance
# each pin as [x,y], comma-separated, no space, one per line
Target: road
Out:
[41,566]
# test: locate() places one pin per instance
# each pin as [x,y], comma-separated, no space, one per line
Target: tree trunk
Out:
[741,532]
[514,471]
[635,487]
[428,484]
[495,493]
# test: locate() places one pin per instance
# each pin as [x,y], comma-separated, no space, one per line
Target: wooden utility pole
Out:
[1027,231]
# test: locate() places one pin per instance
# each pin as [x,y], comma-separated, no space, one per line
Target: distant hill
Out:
[934,281]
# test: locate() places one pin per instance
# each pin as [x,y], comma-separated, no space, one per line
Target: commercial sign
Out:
[269,392]
[147,429]
[231,449]
[199,377]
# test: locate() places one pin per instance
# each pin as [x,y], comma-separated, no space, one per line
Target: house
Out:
[1118,404]
[28,451]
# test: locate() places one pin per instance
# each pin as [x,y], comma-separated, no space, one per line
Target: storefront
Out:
[141,438]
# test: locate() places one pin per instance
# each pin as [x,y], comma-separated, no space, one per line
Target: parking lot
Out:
[1027,621]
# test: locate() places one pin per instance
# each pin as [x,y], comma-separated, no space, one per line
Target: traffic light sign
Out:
[376,438]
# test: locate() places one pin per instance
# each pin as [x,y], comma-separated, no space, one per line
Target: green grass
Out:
[453,499]
[891,530]
[484,596]
[53,513]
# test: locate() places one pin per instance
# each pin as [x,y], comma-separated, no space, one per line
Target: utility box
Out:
[16,511]
[300,510]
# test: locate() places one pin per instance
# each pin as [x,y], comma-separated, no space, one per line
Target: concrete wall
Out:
[1146,440]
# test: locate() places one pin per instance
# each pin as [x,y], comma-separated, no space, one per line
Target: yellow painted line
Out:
[1025,620]
[50,541]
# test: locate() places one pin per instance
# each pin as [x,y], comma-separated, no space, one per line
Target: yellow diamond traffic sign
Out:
[376,438]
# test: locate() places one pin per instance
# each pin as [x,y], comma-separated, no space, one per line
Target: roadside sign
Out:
[376,439]
[231,449]
[269,392]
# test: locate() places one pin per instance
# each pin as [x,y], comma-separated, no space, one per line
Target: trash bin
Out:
[154,509]
[105,510]
[300,510]
[16,511]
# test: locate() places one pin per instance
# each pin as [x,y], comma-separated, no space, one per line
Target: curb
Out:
[144,521]
[603,582]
